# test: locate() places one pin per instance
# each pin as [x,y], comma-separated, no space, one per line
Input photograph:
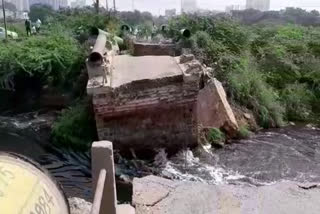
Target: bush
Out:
[75,128]
[40,11]
[297,100]
[82,22]
[259,65]
[224,31]
[54,59]
[17,27]
[244,132]
[249,88]
[216,137]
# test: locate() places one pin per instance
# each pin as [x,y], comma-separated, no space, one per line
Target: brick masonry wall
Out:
[148,114]
[147,49]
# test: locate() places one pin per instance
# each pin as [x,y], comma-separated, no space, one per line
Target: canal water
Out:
[269,156]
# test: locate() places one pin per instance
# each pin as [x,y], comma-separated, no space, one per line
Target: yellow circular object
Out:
[27,189]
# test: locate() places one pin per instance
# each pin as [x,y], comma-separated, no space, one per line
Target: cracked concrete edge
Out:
[125,209]
[309,186]
[161,187]
[159,200]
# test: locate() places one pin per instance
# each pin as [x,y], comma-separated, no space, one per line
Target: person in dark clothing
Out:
[27,24]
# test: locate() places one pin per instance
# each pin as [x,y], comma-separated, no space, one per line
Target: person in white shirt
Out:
[33,30]
[38,25]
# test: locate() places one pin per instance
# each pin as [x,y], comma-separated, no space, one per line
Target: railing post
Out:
[102,158]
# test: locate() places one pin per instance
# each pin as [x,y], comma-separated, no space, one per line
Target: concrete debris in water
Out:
[214,109]
[79,206]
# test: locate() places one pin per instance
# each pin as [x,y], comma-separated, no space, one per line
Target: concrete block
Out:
[102,158]
[125,209]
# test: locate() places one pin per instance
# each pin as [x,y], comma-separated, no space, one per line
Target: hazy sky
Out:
[158,6]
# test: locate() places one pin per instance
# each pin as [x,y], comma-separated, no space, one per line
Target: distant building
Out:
[234,7]
[78,3]
[21,15]
[9,14]
[26,5]
[62,4]
[55,4]
[262,5]
[170,13]
[189,6]
[21,5]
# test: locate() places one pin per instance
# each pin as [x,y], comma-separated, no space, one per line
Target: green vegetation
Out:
[272,70]
[248,87]
[297,99]
[216,137]
[54,59]
[289,15]
[17,27]
[40,11]
[244,132]
[75,128]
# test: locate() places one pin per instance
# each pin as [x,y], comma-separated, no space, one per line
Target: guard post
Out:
[103,175]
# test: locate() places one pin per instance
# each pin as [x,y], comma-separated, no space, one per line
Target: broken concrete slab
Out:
[128,68]
[148,192]
[125,209]
[194,198]
[186,58]
[81,206]
[214,110]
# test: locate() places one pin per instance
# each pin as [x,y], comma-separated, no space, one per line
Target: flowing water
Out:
[291,153]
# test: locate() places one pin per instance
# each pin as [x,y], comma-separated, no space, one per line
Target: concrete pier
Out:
[104,184]
[102,159]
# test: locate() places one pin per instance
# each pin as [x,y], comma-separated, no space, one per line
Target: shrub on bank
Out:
[249,88]
[272,70]
[297,99]
[54,59]
[75,128]
[244,132]
[216,137]
[82,22]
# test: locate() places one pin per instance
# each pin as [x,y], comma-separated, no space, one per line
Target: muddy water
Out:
[25,135]
[291,153]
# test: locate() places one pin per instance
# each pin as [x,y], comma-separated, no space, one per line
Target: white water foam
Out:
[186,167]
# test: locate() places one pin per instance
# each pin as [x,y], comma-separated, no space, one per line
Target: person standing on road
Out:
[38,25]
[27,24]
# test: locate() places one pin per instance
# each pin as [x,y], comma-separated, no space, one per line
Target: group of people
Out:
[32,29]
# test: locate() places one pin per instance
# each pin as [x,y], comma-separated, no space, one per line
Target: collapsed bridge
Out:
[148,102]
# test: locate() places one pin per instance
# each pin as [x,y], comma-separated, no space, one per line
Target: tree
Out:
[40,11]
[315,13]
[136,17]
[295,12]
[96,4]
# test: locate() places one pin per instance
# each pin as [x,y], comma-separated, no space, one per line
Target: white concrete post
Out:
[102,158]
